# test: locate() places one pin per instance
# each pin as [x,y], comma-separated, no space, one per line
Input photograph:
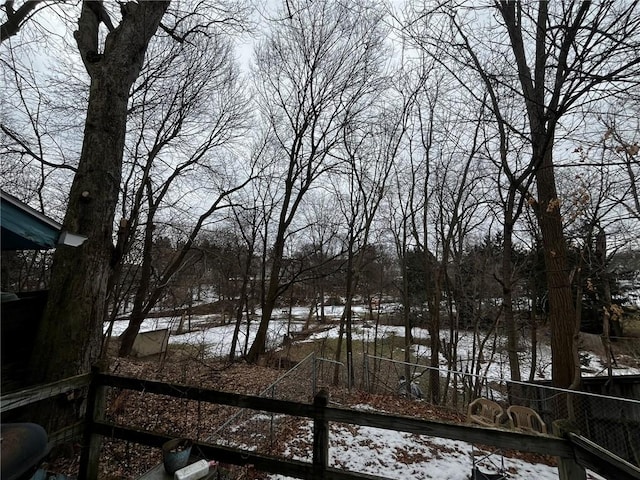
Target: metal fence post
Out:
[314,375]
[367,383]
[320,436]
[271,423]
[349,370]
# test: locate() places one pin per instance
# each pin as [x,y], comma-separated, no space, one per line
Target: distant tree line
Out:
[451,154]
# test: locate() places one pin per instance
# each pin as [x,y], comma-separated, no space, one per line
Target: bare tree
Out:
[248,225]
[621,140]
[371,145]
[76,304]
[409,225]
[185,130]
[315,66]
[563,55]
[113,54]
[39,125]
[504,149]
[321,213]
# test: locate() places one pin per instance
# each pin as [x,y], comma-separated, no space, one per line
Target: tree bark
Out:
[243,302]
[542,119]
[562,313]
[433,301]
[507,296]
[68,341]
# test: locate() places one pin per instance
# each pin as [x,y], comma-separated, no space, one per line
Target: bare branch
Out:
[16,18]
[26,150]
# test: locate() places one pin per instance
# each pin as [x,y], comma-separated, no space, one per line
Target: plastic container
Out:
[194,471]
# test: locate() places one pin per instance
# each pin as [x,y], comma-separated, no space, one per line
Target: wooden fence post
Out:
[89,457]
[320,436]
[568,468]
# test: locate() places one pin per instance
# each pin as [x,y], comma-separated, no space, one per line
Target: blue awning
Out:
[24,228]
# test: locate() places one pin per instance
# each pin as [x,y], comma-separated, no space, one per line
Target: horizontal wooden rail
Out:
[206,395]
[601,461]
[542,444]
[265,463]
[586,453]
[28,396]
[31,395]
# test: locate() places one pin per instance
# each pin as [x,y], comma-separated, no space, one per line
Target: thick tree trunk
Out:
[259,342]
[242,304]
[69,338]
[540,112]
[258,346]
[562,313]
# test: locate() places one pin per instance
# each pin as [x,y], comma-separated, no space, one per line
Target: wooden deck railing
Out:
[572,457]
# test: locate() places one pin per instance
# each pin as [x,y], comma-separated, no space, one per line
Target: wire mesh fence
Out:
[261,430]
[612,422]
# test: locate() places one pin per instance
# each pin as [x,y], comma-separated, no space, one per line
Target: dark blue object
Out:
[175,454]
[24,228]
[23,447]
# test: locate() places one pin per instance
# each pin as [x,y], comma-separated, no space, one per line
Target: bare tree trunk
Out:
[434,334]
[322,310]
[258,346]
[604,290]
[562,312]
[534,342]
[406,314]
[336,372]
[69,338]
[351,282]
[242,303]
[137,315]
[507,300]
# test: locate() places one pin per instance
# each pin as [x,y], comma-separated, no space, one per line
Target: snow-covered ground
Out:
[399,455]
[217,341]
[390,454]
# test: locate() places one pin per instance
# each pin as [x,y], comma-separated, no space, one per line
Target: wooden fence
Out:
[613,423]
[574,456]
